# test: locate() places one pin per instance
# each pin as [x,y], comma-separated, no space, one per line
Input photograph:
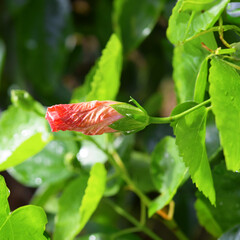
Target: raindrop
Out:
[146,31]
[92,237]
[226,93]
[38,181]
[232,98]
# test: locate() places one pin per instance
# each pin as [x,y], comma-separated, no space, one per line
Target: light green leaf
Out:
[185,24]
[76,209]
[26,222]
[93,193]
[187,60]
[197,5]
[225,98]
[190,137]
[103,81]
[226,214]
[23,133]
[49,165]
[167,171]
[134,20]
[201,82]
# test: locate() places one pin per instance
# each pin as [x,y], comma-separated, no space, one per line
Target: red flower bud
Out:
[90,118]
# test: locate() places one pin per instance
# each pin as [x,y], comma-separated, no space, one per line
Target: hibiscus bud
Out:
[96,117]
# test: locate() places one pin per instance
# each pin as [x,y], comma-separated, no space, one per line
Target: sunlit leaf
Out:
[26,222]
[103,81]
[190,133]
[23,133]
[225,98]
[187,60]
[76,209]
[185,24]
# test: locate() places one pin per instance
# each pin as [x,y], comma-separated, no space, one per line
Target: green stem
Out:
[216,29]
[124,232]
[132,220]
[157,120]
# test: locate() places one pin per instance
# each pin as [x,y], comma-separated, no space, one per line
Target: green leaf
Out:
[185,24]
[190,137]
[138,167]
[167,171]
[2,57]
[206,219]
[232,234]
[103,81]
[88,152]
[187,62]
[226,214]
[23,99]
[201,82]
[93,193]
[76,209]
[47,166]
[42,46]
[23,133]
[199,5]
[26,222]
[133,21]
[225,98]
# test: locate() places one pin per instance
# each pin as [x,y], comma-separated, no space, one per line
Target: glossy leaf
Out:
[42,45]
[23,133]
[167,171]
[88,152]
[201,82]
[187,60]
[49,165]
[105,75]
[226,214]
[134,20]
[190,137]
[76,209]
[185,24]
[26,222]
[225,98]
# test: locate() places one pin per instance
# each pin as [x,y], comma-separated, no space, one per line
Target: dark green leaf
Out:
[2,58]
[76,209]
[103,81]
[185,24]
[187,61]
[134,20]
[190,137]
[167,171]
[226,214]
[26,222]
[225,97]
[42,28]
[23,133]
[47,166]
[139,169]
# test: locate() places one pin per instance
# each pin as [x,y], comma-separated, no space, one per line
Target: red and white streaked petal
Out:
[90,118]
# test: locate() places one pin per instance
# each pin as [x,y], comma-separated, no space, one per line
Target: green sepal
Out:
[135,119]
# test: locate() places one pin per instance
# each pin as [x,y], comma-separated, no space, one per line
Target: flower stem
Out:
[158,120]
[132,220]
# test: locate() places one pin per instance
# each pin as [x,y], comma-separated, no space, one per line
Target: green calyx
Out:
[134,120]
